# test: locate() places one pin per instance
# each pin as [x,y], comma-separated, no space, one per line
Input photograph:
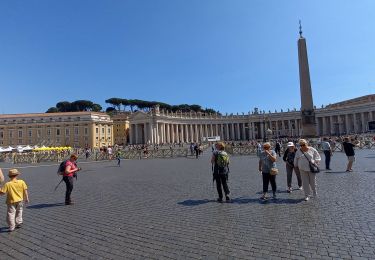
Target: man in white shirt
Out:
[327,150]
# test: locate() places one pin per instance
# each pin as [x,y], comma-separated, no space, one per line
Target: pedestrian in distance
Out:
[305,156]
[349,152]
[16,191]
[267,159]
[327,150]
[278,148]
[220,164]
[288,158]
[118,159]
[196,149]
[70,172]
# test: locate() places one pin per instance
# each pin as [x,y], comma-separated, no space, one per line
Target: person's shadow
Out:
[45,205]
[241,200]
[191,203]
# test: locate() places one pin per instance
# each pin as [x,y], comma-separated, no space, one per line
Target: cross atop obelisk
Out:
[307,106]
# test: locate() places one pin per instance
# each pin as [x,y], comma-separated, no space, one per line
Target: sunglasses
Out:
[302,144]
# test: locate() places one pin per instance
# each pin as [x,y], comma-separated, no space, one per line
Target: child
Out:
[16,191]
[118,159]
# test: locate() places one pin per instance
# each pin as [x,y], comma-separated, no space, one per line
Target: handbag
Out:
[314,168]
[274,171]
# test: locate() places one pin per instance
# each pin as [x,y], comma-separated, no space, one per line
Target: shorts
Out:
[351,158]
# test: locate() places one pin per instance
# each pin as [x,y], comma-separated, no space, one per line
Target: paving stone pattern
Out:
[167,209]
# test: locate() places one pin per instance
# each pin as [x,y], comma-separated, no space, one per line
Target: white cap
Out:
[290,144]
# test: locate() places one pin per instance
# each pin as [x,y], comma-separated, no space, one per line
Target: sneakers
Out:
[300,188]
[18,225]
[227,198]
[307,199]
[289,190]
[264,197]
[274,196]
[219,200]
[69,203]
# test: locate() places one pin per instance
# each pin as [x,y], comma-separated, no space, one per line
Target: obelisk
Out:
[308,125]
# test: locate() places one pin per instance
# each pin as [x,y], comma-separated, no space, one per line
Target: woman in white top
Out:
[300,161]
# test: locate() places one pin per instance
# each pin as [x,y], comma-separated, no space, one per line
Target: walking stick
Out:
[58,184]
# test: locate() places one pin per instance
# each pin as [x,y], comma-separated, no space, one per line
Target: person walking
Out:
[288,158]
[16,191]
[304,156]
[220,163]
[267,159]
[349,151]
[278,148]
[327,150]
[71,170]
[118,158]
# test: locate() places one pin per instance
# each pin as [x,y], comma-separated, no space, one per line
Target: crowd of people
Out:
[299,157]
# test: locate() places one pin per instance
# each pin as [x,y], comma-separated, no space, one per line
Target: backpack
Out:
[61,169]
[222,162]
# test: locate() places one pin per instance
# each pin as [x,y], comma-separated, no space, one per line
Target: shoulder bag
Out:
[314,168]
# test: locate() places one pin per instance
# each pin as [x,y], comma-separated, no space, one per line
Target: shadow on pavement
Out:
[369,171]
[270,200]
[329,172]
[4,230]
[44,205]
[194,202]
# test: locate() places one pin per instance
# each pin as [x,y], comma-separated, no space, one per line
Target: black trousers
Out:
[267,178]
[69,187]
[327,154]
[221,181]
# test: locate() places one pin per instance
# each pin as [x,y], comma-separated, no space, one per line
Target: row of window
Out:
[20,133]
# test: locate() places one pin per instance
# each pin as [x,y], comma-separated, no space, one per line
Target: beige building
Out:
[76,129]
[121,127]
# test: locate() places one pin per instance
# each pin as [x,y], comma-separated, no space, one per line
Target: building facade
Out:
[94,129]
[156,127]
[75,129]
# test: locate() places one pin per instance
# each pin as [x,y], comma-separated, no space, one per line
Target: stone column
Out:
[363,128]
[168,133]
[277,128]
[347,125]
[217,130]
[191,133]
[196,133]
[136,133]
[244,131]
[182,134]
[238,131]
[331,125]
[355,128]
[131,132]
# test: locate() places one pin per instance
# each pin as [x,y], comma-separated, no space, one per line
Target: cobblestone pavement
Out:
[166,209]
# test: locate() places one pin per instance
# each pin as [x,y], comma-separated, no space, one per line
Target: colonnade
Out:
[347,123]
[185,132]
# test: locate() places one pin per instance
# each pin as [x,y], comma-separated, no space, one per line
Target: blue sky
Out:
[229,55]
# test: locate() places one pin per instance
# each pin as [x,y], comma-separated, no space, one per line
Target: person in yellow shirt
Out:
[16,191]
